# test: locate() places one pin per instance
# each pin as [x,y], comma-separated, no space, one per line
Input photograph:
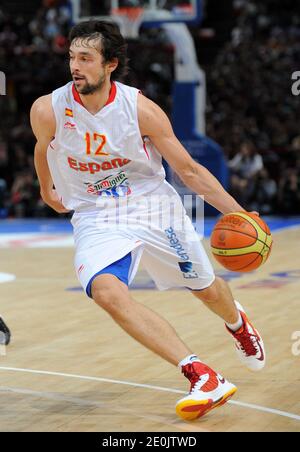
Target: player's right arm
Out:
[43,125]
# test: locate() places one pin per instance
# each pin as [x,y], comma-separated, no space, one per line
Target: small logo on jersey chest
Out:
[70,125]
[69,112]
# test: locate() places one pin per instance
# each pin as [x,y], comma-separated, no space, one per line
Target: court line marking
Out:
[156,388]
[93,404]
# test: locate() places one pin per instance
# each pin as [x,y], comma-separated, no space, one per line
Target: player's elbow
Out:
[39,149]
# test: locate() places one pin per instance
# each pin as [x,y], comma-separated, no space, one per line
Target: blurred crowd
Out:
[251,110]
[31,52]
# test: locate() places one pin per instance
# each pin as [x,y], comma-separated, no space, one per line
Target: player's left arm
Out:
[155,124]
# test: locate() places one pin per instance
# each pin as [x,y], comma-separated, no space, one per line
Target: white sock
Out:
[189,359]
[237,325]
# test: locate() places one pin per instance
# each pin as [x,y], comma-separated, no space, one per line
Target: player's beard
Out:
[90,88]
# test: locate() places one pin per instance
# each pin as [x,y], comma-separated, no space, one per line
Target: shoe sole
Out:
[190,410]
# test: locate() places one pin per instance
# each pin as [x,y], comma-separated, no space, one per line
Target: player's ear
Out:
[112,65]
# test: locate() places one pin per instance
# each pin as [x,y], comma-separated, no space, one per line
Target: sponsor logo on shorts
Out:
[175,244]
[187,270]
[116,186]
[93,167]
[186,267]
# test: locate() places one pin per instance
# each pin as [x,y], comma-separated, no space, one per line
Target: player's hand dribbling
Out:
[52,200]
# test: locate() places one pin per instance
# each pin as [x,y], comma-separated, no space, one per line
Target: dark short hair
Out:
[113,44]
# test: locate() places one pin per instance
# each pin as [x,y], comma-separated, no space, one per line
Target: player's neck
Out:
[96,101]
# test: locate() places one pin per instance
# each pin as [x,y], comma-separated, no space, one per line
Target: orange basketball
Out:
[241,241]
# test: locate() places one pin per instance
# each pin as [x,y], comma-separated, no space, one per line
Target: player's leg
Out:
[140,322]
[144,325]
[5,334]
[249,344]
[219,299]
[208,389]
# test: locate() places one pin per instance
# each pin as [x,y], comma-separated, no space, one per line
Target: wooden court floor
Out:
[70,368]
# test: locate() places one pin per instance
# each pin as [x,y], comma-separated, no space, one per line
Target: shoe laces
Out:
[247,342]
[194,373]
[196,385]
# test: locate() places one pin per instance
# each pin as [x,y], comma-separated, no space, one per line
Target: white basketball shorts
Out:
[173,257]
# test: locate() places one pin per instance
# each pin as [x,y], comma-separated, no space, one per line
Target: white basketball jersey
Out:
[102,154]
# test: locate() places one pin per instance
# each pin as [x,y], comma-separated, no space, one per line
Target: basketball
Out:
[241,242]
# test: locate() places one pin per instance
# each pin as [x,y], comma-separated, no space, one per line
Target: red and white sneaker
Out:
[208,391]
[249,344]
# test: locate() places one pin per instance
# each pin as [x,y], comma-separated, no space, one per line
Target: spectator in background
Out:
[3,178]
[24,194]
[289,192]
[245,167]
[3,160]
[264,193]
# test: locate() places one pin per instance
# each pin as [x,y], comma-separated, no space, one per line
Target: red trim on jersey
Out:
[111,98]
[145,149]
[76,95]
[112,94]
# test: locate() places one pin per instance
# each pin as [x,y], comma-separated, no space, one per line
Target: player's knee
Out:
[109,296]
[109,300]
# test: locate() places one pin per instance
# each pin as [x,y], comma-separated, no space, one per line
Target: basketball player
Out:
[5,334]
[100,141]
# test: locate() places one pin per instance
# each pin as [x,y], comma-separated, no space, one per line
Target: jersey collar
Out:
[110,100]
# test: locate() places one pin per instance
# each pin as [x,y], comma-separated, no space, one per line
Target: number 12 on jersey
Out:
[98,139]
